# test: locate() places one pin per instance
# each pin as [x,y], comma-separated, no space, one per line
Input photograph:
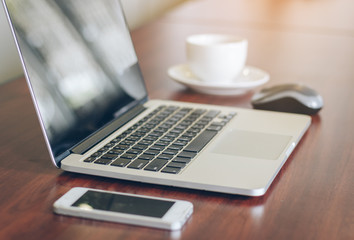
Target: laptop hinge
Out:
[106,131]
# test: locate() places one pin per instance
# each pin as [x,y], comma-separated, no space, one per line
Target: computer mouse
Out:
[294,98]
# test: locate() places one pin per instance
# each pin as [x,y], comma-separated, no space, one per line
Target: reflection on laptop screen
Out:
[81,64]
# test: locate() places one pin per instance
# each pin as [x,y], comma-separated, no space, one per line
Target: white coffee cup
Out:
[216,57]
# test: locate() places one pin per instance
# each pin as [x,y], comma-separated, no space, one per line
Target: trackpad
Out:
[252,144]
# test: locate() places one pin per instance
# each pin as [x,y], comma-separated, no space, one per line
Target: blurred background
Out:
[137,13]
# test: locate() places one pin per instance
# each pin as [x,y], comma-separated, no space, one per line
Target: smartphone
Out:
[124,208]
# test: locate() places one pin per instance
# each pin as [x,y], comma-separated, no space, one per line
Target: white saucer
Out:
[250,78]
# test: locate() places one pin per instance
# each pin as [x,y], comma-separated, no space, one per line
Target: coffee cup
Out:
[216,57]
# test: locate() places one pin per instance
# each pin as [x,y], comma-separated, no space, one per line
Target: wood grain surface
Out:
[306,41]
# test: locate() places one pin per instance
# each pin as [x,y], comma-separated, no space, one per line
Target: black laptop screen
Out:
[81,64]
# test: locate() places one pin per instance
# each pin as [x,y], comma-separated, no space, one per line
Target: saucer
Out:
[249,78]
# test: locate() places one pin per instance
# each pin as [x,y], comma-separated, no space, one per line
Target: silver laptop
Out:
[89,94]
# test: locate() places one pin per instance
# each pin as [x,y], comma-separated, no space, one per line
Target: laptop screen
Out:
[81,65]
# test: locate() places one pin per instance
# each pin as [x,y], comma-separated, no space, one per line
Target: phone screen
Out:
[123,204]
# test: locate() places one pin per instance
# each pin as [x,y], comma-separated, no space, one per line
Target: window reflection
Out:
[80,61]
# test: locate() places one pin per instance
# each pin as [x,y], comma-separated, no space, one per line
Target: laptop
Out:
[93,107]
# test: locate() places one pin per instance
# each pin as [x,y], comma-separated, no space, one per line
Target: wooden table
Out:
[311,42]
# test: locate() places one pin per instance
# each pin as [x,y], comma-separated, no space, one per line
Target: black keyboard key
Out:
[128,156]
[156,165]
[203,122]
[116,152]
[185,154]
[150,138]
[145,142]
[171,170]
[102,150]
[212,113]
[138,164]
[180,142]
[198,111]
[151,152]
[121,147]
[175,147]
[127,143]
[146,157]
[162,143]
[225,117]
[155,135]
[171,136]
[198,126]
[134,151]
[193,131]
[157,147]
[181,127]
[215,123]
[109,145]
[109,156]
[200,141]
[90,159]
[185,109]
[159,131]
[133,138]
[120,162]
[188,135]
[214,127]
[171,108]
[103,161]
[181,160]
[140,147]
[165,156]
[96,154]
[165,140]
[170,151]
[176,131]
[139,134]
[185,139]
[115,141]
[179,165]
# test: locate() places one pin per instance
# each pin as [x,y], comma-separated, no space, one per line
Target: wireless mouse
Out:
[294,98]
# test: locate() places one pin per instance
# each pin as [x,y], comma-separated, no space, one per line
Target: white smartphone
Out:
[124,208]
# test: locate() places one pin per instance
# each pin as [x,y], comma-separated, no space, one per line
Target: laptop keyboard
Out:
[165,141]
